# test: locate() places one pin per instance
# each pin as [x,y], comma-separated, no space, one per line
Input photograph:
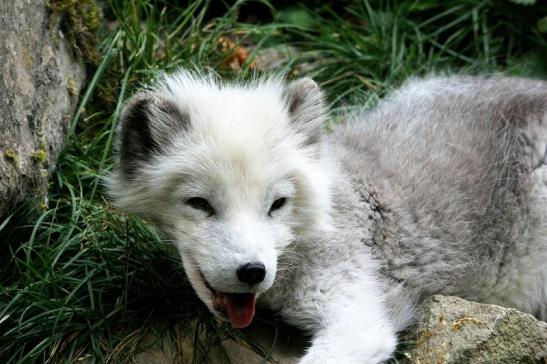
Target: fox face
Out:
[232,174]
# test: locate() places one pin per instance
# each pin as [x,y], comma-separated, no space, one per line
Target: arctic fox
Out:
[442,188]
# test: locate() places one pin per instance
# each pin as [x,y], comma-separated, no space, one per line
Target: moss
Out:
[27,58]
[80,19]
[39,156]
[43,205]
[12,156]
[72,87]
[456,325]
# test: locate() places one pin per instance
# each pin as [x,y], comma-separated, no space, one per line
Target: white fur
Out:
[241,154]
[433,192]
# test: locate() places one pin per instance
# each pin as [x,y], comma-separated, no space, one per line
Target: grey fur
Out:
[438,186]
[306,109]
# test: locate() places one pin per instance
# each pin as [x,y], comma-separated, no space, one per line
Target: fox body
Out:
[442,188]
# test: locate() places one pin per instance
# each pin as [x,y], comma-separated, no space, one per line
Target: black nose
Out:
[251,273]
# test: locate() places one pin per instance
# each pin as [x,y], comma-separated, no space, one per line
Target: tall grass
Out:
[373,46]
[80,279]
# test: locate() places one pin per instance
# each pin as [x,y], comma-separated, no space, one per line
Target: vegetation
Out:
[80,279]
[80,20]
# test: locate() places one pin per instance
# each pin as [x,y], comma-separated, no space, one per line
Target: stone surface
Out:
[260,343]
[275,57]
[40,81]
[452,330]
[283,344]
[283,55]
[449,331]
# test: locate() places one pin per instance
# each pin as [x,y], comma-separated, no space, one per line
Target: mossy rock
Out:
[40,82]
[80,20]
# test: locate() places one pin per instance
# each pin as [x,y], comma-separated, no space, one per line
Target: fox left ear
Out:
[148,123]
[305,103]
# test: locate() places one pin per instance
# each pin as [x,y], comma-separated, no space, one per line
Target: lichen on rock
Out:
[455,331]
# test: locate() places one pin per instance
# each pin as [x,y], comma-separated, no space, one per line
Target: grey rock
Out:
[284,56]
[39,83]
[452,330]
[275,57]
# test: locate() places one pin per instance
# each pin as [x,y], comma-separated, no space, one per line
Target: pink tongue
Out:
[240,308]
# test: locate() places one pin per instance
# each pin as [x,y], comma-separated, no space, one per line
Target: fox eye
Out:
[277,204]
[202,204]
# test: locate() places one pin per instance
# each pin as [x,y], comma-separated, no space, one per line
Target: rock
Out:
[232,351]
[40,80]
[452,330]
[283,56]
[275,57]
[282,344]
[260,343]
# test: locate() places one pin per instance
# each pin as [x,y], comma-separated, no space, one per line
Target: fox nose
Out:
[251,273]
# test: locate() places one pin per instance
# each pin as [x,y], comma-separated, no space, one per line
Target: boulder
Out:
[452,330]
[40,79]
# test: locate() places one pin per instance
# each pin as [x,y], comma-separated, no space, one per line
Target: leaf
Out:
[235,55]
[297,16]
[542,25]
[424,5]
[524,2]
[5,222]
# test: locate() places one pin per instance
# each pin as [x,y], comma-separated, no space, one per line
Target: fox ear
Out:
[305,103]
[147,124]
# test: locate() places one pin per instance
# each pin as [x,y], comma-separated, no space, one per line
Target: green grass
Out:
[79,278]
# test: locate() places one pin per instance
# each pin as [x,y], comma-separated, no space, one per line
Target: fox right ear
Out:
[147,124]
[305,103]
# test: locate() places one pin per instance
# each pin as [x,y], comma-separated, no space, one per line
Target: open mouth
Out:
[239,307]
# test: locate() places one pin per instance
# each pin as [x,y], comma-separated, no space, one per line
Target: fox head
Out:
[232,173]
